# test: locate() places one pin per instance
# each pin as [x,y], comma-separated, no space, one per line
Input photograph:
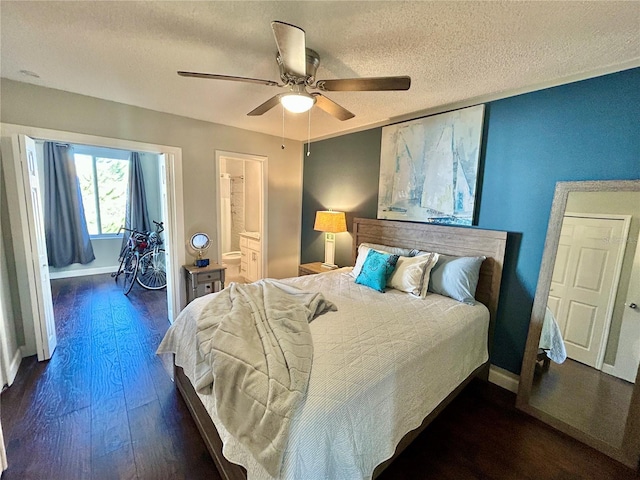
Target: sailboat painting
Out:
[429,168]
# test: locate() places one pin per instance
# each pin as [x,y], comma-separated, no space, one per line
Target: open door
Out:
[166,212]
[3,454]
[39,286]
[628,354]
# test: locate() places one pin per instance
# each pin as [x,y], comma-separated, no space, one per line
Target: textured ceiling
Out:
[129,52]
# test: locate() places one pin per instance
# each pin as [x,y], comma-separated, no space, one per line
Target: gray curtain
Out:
[65,224]
[137,215]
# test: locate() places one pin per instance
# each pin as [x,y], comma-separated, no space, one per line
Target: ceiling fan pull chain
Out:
[282,146]
[309,135]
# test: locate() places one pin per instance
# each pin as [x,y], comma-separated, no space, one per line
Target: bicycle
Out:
[129,258]
[143,260]
[152,267]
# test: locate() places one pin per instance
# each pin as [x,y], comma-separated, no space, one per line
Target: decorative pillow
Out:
[412,274]
[376,269]
[456,277]
[363,251]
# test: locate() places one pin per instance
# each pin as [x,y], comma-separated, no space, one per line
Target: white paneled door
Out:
[42,304]
[3,455]
[584,284]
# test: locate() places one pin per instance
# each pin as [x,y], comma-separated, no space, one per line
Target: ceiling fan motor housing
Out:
[313,62]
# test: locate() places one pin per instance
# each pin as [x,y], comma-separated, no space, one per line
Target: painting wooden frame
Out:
[429,168]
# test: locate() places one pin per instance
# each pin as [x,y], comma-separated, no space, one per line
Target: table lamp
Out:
[331,223]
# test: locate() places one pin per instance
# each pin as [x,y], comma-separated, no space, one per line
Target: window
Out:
[103,185]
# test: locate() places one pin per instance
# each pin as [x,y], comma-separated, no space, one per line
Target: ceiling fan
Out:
[298,66]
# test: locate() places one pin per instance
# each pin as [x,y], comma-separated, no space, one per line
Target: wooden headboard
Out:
[459,241]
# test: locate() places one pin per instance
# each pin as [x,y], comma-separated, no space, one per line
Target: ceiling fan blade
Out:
[372,84]
[266,106]
[292,47]
[213,76]
[332,108]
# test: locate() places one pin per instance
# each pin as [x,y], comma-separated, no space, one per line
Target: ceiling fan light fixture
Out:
[297,102]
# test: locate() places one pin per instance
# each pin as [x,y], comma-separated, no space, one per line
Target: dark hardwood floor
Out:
[104,407]
[588,399]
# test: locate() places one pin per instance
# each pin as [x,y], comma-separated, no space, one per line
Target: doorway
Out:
[35,300]
[242,227]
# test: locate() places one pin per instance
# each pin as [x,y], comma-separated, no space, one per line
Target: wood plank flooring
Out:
[588,399]
[104,407]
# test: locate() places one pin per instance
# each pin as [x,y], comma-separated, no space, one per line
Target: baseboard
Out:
[26,352]
[504,378]
[14,365]
[83,272]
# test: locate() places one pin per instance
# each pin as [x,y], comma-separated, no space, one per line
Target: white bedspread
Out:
[381,364]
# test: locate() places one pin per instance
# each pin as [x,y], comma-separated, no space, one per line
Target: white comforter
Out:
[381,363]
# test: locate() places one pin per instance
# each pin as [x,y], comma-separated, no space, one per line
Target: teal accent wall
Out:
[587,130]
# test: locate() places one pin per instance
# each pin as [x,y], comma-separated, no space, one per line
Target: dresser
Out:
[203,280]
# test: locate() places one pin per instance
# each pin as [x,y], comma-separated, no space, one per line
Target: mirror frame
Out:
[629,453]
[205,246]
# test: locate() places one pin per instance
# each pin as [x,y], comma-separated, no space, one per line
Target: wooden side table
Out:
[311,268]
[212,274]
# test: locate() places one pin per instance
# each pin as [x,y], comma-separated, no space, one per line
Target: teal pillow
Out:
[456,277]
[377,269]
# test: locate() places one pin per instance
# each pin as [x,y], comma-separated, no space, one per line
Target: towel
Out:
[551,338]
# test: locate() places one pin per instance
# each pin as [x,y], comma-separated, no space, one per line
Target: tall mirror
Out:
[580,367]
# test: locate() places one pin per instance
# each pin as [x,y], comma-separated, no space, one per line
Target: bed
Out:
[381,372]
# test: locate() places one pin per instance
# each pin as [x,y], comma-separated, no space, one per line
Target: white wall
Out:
[106,251]
[25,104]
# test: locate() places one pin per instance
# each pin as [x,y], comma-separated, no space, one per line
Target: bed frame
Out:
[460,241]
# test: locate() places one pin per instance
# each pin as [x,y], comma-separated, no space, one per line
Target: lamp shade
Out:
[330,221]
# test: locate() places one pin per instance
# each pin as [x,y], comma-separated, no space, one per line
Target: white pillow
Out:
[362,256]
[411,274]
[363,251]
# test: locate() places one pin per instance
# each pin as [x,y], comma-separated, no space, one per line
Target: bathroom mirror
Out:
[587,308]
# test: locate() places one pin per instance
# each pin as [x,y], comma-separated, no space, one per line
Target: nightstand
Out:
[311,268]
[203,280]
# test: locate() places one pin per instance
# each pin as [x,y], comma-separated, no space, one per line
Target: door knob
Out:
[631,305]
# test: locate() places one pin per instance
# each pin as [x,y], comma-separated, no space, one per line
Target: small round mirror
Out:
[200,241]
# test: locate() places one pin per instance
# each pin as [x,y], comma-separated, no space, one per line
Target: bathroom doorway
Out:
[241,245]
